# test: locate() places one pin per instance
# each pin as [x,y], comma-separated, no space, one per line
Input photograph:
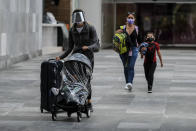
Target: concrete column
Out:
[3,46]
[20,30]
[92,10]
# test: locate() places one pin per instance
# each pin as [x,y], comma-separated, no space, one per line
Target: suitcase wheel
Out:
[88,113]
[41,109]
[69,114]
[79,116]
[54,116]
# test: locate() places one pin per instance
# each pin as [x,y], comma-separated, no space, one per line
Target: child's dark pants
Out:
[149,69]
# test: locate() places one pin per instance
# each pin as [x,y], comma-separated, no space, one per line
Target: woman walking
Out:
[133,38]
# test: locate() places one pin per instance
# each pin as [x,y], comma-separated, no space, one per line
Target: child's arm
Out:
[160,57]
[142,56]
[142,49]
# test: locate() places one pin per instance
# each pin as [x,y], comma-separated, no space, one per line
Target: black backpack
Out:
[150,52]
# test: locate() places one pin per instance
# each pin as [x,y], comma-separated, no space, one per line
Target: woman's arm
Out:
[119,31]
[160,57]
[140,37]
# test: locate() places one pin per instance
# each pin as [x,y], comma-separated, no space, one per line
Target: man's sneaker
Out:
[149,89]
[130,86]
[90,107]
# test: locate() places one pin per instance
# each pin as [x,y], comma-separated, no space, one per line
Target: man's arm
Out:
[94,40]
[70,47]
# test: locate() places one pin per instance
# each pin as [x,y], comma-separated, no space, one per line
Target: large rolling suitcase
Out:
[50,77]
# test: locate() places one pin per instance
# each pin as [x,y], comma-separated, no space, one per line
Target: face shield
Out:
[78,17]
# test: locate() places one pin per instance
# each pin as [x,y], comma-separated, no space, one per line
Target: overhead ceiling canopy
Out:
[149,1]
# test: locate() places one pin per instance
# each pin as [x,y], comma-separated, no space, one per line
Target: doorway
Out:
[172,23]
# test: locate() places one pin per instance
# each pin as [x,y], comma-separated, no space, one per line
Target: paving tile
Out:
[171,106]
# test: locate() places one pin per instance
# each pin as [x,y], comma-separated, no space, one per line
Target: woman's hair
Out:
[130,13]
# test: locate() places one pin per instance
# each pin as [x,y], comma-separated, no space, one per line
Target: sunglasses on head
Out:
[133,13]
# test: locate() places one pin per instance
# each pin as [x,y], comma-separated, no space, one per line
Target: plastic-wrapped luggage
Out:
[74,94]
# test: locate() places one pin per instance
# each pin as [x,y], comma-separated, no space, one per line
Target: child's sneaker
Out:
[149,89]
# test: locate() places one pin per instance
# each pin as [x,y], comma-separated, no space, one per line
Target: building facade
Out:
[20,30]
[60,8]
[173,21]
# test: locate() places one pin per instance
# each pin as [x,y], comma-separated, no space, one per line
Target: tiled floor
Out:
[171,106]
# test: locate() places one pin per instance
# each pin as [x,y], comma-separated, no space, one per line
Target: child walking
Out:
[149,49]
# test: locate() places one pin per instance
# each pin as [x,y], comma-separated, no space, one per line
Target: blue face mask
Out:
[130,21]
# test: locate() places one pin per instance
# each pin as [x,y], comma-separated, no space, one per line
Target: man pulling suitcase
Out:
[82,39]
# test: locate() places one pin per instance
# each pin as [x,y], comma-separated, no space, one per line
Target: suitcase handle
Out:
[56,60]
[51,59]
